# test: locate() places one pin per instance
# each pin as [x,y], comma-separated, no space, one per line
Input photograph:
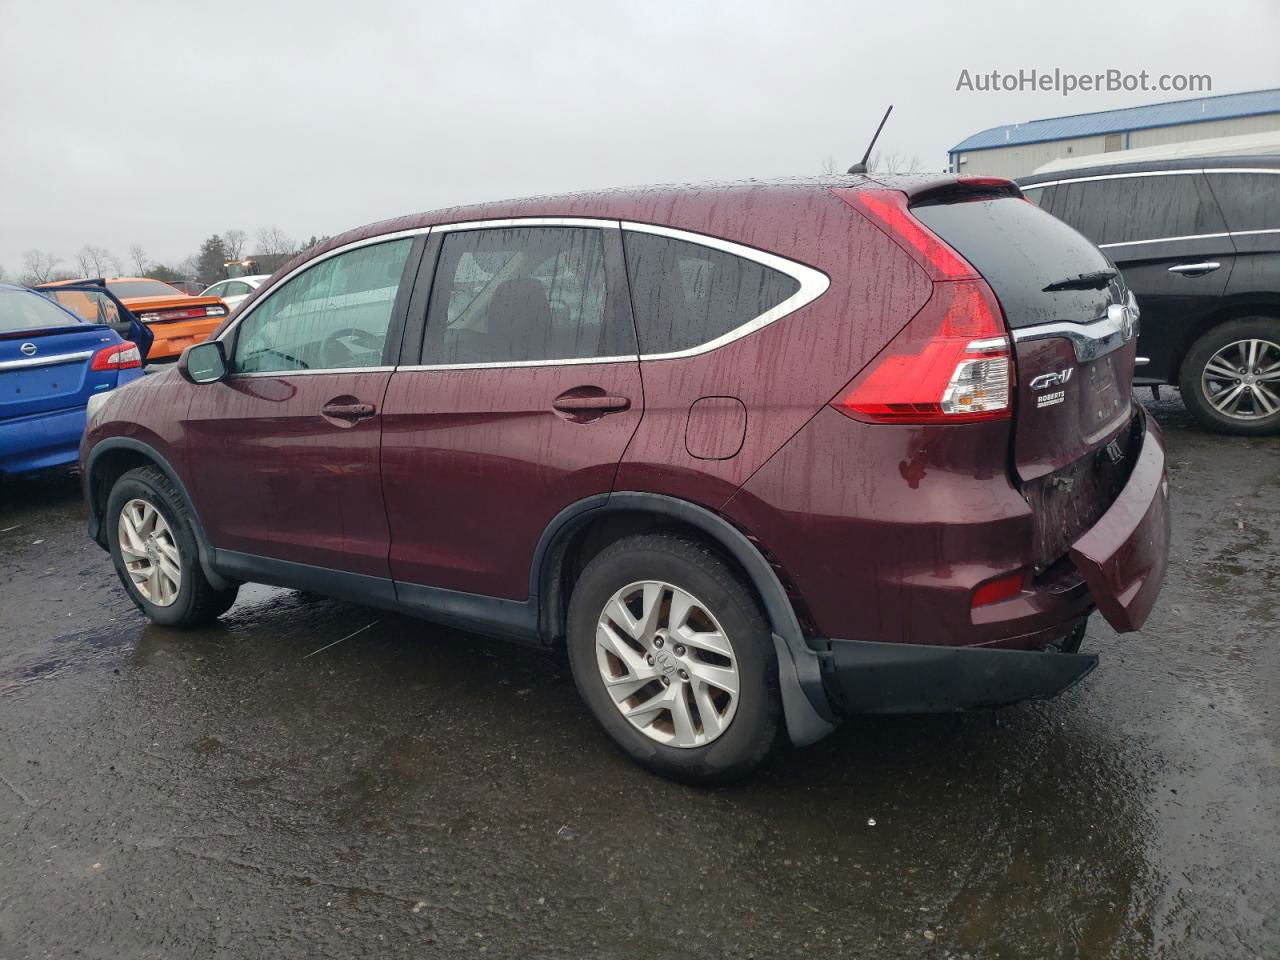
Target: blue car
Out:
[51,363]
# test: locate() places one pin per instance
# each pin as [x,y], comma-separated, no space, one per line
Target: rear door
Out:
[284,452]
[1167,234]
[521,401]
[1074,346]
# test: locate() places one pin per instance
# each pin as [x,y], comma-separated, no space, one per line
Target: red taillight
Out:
[1001,588]
[122,356]
[888,209]
[950,364]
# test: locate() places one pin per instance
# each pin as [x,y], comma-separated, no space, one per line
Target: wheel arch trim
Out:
[110,444]
[806,707]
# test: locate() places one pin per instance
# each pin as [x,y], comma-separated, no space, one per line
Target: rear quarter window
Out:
[686,295]
[1249,201]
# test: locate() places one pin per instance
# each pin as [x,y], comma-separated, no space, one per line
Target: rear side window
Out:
[1249,201]
[1133,209]
[1020,249]
[522,294]
[686,295]
[335,315]
[20,310]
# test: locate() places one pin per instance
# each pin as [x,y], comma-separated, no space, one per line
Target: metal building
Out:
[1018,149]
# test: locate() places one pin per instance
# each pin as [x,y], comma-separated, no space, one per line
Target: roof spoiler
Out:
[961,189]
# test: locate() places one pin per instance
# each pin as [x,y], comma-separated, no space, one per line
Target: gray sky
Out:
[161,123]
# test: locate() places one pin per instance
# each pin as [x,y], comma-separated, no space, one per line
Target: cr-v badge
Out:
[1058,378]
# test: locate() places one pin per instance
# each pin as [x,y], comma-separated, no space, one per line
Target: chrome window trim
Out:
[1150,173]
[306,372]
[813,284]
[1194,236]
[45,361]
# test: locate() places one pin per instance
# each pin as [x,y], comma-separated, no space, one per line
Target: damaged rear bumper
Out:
[870,677]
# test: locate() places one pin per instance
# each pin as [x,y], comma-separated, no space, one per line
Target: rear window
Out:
[124,289]
[686,294]
[1020,249]
[20,310]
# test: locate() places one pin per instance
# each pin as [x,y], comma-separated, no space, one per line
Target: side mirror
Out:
[204,362]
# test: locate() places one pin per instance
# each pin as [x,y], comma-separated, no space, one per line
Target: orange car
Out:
[176,319]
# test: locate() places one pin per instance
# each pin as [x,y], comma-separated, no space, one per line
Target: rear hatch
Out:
[1074,330]
[45,358]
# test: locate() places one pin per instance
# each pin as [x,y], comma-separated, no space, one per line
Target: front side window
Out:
[520,294]
[233,288]
[89,305]
[686,294]
[335,315]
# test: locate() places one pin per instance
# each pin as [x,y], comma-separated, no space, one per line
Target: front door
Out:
[523,402]
[284,452]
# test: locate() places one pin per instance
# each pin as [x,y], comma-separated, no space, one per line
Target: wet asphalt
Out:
[412,791]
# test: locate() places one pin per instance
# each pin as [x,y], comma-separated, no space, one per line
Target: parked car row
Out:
[758,457]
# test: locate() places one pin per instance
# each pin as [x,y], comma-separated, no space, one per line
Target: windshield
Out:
[127,289]
[23,310]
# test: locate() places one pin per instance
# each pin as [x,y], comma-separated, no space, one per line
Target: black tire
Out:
[695,568]
[1193,366]
[197,601]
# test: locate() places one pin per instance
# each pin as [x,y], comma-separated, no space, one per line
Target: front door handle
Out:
[1195,269]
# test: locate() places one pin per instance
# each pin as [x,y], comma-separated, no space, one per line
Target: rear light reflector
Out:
[949,364]
[121,356]
[994,591]
[888,210]
[216,311]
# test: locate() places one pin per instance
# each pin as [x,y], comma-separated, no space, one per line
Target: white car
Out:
[232,291]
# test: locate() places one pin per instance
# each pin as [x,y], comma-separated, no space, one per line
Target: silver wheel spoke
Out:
[150,553]
[1237,379]
[1269,401]
[667,664]
[1228,400]
[1221,369]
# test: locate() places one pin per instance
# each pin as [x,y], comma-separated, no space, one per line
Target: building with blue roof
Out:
[1015,150]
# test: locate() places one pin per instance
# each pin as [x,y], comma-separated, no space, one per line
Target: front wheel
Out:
[153,545]
[1230,378]
[673,656]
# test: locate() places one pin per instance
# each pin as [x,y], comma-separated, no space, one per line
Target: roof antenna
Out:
[861,165]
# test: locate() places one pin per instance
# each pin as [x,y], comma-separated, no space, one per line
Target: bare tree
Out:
[38,265]
[96,261]
[829,165]
[894,163]
[233,242]
[273,242]
[138,259]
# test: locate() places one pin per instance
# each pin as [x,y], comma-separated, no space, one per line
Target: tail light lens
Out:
[121,356]
[888,210]
[215,311]
[950,364]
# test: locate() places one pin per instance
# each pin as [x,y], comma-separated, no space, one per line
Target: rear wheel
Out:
[1230,378]
[153,545]
[674,658]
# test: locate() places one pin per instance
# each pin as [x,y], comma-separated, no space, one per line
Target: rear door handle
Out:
[1195,269]
[602,404]
[348,411]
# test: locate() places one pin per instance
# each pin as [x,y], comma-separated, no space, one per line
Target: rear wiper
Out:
[1085,281]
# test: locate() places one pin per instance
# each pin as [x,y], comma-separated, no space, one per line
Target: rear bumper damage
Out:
[1122,560]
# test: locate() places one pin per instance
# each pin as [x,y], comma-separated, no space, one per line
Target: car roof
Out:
[1264,162]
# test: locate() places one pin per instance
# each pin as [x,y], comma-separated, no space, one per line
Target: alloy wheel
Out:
[667,664]
[1242,380]
[150,552]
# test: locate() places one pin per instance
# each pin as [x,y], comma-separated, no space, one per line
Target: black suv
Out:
[1198,241]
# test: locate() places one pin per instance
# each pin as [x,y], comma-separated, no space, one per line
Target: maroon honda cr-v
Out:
[759,455]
